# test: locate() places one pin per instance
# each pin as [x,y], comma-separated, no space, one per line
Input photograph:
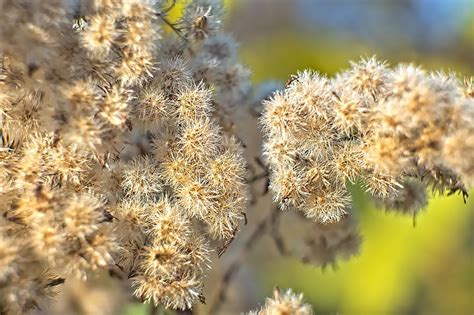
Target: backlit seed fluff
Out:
[83,216]
[284,302]
[141,179]
[201,19]
[221,47]
[409,199]
[193,103]
[326,244]
[100,34]
[468,87]
[113,155]
[370,124]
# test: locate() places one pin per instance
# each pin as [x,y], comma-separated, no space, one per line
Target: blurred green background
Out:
[427,269]
[401,269]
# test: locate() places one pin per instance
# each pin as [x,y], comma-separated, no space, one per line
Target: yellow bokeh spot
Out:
[396,259]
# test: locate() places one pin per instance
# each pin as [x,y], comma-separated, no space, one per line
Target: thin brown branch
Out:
[236,264]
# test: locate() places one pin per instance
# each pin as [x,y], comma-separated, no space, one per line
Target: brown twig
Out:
[276,235]
[235,265]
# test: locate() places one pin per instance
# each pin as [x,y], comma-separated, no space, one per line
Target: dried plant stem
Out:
[264,225]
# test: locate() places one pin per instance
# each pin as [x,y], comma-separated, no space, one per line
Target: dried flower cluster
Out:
[284,303]
[117,147]
[396,131]
[321,244]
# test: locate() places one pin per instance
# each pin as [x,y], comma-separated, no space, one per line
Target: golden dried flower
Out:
[371,124]
[284,303]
